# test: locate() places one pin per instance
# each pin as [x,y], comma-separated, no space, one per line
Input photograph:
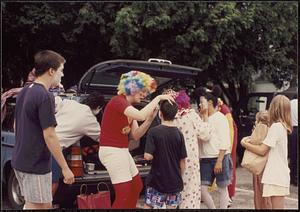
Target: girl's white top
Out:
[277,171]
[220,137]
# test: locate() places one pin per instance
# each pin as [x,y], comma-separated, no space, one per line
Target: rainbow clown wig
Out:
[135,81]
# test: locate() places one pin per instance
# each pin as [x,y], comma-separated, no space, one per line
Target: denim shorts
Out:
[207,171]
[156,199]
[56,170]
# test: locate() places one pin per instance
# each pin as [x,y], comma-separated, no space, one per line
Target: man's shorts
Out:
[36,188]
[56,170]
[156,199]
[207,171]
[119,163]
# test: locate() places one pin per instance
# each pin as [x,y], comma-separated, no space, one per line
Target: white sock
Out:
[224,197]
[206,197]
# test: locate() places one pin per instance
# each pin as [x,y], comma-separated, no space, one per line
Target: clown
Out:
[118,123]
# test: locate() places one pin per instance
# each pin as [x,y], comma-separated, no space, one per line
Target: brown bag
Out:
[251,161]
[259,134]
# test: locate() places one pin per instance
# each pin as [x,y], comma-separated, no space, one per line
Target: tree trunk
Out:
[202,79]
[243,90]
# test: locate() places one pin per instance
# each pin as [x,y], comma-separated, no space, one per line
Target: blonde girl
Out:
[276,177]
[259,133]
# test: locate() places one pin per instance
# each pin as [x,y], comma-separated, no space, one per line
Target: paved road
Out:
[242,200]
[244,194]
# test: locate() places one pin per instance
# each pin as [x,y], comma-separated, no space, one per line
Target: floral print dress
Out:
[193,130]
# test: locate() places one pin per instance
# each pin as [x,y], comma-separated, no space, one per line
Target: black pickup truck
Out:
[103,77]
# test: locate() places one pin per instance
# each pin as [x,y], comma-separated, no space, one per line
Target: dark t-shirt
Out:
[167,146]
[34,112]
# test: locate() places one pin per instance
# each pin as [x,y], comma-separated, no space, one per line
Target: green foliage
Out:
[230,41]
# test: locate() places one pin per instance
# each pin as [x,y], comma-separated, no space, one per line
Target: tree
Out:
[230,41]
[79,31]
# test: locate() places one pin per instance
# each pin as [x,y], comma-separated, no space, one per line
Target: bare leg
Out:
[171,207]
[260,201]
[277,202]
[257,189]
[54,188]
[147,206]
[31,205]
[267,203]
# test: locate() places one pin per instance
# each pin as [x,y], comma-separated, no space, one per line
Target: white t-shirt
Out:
[277,171]
[294,112]
[220,138]
[75,120]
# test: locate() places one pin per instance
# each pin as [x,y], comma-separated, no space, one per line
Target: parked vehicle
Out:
[103,77]
[247,107]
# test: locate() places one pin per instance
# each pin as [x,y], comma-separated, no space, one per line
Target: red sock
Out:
[136,188]
[121,193]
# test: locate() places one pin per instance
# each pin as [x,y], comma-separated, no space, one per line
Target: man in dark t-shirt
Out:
[165,146]
[36,139]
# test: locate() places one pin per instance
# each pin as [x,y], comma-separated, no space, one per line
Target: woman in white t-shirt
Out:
[276,175]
